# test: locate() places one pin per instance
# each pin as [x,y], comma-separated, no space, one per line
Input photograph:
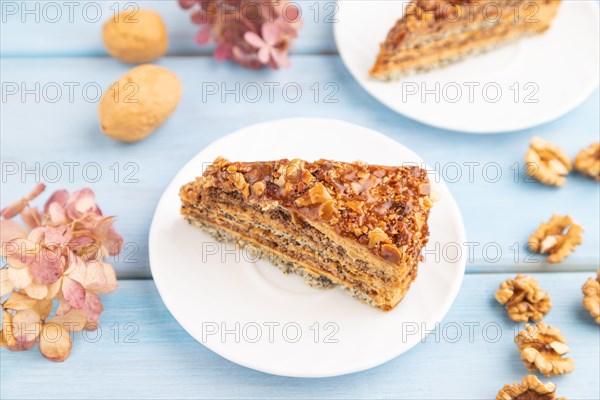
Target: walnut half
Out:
[531,388]
[546,162]
[588,161]
[557,237]
[542,348]
[591,299]
[524,299]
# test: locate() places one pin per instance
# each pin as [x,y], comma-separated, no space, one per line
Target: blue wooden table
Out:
[49,132]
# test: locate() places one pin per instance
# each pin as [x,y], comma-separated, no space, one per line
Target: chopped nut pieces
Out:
[557,237]
[524,299]
[542,348]
[546,162]
[588,161]
[531,388]
[591,299]
[385,208]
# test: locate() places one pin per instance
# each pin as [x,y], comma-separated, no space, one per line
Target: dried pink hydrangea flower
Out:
[250,32]
[59,256]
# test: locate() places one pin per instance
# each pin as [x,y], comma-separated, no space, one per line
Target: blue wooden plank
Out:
[58,28]
[40,135]
[153,357]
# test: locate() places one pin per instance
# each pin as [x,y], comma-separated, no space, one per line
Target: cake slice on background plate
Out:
[435,33]
[335,223]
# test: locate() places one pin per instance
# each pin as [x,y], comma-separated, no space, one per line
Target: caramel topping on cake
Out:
[384,208]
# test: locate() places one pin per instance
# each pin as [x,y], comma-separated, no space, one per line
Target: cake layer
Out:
[359,226]
[433,33]
[275,234]
[305,268]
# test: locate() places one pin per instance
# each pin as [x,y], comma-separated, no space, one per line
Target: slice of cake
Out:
[434,33]
[357,225]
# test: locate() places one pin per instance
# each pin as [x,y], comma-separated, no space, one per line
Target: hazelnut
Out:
[315,195]
[258,188]
[391,253]
[377,236]
[136,36]
[327,210]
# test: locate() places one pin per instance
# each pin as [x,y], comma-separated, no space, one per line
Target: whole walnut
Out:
[136,36]
[139,102]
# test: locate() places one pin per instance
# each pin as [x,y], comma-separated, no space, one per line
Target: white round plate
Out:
[251,313]
[518,86]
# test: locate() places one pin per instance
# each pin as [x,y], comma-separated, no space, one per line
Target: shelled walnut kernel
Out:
[542,348]
[531,388]
[557,237]
[524,299]
[588,161]
[591,299]
[546,162]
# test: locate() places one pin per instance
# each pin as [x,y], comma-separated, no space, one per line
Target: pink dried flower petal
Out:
[264,54]
[72,321]
[280,58]
[63,307]
[31,216]
[19,253]
[22,346]
[270,33]
[81,241]
[37,235]
[57,236]
[92,307]
[57,214]
[55,342]
[6,285]
[245,59]
[20,277]
[10,230]
[47,267]
[82,202]
[110,239]
[15,208]
[94,277]
[36,291]
[53,289]
[291,13]
[203,36]
[73,292]
[43,308]
[37,190]
[199,18]
[185,4]
[8,338]
[60,197]
[12,210]
[254,40]
[19,301]
[26,325]
[223,52]
[76,270]
[100,278]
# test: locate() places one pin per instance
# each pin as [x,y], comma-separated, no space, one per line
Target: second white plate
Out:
[251,313]
[515,87]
